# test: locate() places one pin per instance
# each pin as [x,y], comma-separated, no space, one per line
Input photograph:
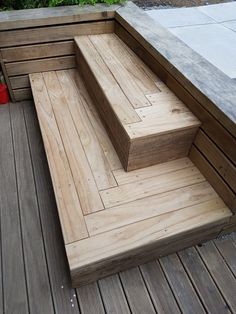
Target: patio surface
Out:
[33,268]
[209,30]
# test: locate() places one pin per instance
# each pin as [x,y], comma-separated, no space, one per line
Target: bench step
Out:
[112,219]
[147,123]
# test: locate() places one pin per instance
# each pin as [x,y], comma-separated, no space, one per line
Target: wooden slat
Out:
[112,91]
[97,161]
[80,169]
[123,177]
[214,178]
[220,272]
[210,124]
[113,295]
[120,73]
[12,258]
[22,94]
[21,81]
[180,284]
[156,205]
[159,289]
[54,246]
[69,207]
[53,16]
[203,282]
[90,299]
[40,65]
[36,273]
[95,120]
[217,158]
[158,184]
[136,292]
[227,248]
[112,251]
[54,33]
[39,51]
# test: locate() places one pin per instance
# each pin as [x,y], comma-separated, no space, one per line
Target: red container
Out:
[4,96]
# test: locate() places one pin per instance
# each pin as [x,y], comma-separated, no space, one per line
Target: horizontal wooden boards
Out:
[53,33]
[157,125]
[51,16]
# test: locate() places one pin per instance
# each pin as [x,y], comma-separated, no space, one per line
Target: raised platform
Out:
[147,123]
[111,219]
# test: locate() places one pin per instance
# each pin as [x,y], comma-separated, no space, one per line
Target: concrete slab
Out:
[231,25]
[180,17]
[219,50]
[220,12]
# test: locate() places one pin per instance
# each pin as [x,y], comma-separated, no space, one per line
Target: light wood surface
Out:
[153,119]
[126,217]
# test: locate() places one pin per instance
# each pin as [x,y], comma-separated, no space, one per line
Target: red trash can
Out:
[4,96]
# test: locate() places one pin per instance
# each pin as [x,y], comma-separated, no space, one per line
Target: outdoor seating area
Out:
[116,150]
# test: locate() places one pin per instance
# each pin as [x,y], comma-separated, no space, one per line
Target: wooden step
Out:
[112,219]
[146,122]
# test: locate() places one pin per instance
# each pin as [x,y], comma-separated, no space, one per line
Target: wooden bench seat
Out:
[147,123]
[112,219]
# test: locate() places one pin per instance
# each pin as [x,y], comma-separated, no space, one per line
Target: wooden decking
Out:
[34,272]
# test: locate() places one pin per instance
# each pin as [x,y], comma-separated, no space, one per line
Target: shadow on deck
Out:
[34,272]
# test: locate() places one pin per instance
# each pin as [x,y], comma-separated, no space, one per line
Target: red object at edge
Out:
[4,96]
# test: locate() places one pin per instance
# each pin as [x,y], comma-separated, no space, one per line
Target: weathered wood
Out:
[41,65]
[113,295]
[190,69]
[203,282]
[36,272]
[159,289]
[15,297]
[21,81]
[38,35]
[214,178]
[39,51]
[51,16]
[22,94]
[53,240]
[217,159]
[136,292]
[210,125]
[181,286]
[90,299]
[4,70]
[227,248]
[220,272]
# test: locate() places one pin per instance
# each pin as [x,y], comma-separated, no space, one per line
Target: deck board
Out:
[54,248]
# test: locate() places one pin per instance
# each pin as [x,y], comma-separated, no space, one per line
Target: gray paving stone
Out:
[180,17]
[220,12]
[214,42]
[231,25]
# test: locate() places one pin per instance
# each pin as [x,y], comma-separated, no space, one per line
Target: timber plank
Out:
[22,94]
[112,91]
[90,299]
[83,178]
[227,248]
[40,65]
[54,247]
[181,286]
[21,81]
[136,292]
[217,158]
[120,73]
[154,185]
[156,205]
[113,295]
[202,281]
[40,300]
[76,105]
[68,203]
[159,289]
[111,251]
[220,273]
[95,120]
[53,33]
[12,259]
[38,51]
